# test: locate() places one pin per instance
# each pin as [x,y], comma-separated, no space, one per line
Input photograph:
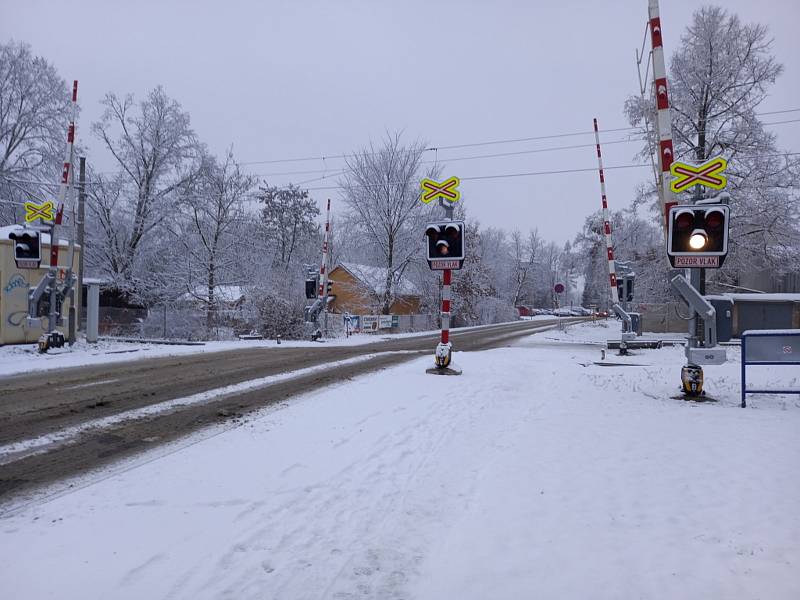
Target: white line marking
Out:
[85,385]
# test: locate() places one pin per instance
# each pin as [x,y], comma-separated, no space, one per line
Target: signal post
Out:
[445,252]
[697,239]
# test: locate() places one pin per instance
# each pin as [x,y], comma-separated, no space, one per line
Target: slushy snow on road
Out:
[537,473]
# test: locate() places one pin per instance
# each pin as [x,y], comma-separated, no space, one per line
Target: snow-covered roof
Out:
[98,280]
[6,231]
[222,293]
[375,278]
[788,297]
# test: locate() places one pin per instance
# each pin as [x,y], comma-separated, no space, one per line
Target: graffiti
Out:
[16,318]
[16,281]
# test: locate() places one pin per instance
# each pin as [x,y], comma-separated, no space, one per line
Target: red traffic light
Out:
[452,231]
[684,220]
[714,219]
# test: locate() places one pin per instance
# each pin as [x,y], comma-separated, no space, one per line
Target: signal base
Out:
[451,370]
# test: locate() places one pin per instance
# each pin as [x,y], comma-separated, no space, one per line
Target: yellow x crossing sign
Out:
[446,189]
[708,174]
[39,211]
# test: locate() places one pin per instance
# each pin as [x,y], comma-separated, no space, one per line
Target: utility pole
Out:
[323,280]
[81,221]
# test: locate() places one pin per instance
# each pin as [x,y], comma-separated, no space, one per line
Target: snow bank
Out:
[537,473]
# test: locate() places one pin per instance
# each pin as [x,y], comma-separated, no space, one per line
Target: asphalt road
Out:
[34,405]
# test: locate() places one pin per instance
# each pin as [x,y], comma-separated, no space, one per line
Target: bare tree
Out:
[524,255]
[381,188]
[289,218]
[34,110]
[157,153]
[212,234]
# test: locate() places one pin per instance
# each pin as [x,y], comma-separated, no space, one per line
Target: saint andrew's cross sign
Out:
[709,174]
[447,190]
[34,212]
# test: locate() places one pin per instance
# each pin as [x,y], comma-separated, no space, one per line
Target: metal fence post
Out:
[92,312]
[744,370]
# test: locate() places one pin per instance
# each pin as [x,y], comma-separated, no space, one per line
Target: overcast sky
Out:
[280,80]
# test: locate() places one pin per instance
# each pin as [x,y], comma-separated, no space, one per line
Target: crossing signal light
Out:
[311,288]
[625,288]
[698,235]
[445,244]
[27,248]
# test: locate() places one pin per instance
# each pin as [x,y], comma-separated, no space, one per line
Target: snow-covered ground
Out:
[535,474]
[23,358]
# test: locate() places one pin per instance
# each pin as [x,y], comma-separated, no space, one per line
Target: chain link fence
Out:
[668,317]
[186,323]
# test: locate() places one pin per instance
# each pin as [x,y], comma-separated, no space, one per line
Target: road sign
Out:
[709,174]
[444,264]
[558,288]
[44,211]
[447,190]
[697,262]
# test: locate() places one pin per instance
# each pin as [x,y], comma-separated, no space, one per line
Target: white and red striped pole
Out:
[612,272]
[66,179]
[446,279]
[663,119]
[323,269]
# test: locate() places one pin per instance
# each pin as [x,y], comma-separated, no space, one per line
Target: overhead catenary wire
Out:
[473,157]
[436,160]
[468,178]
[434,148]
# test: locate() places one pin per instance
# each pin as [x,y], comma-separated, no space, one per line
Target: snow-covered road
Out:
[534,474]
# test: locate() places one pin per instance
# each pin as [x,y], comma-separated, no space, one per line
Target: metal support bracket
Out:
[626,318]
[700,305]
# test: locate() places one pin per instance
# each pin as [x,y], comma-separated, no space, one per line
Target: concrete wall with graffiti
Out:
[15,284]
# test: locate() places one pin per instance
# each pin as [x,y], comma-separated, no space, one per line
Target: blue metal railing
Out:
[774,347]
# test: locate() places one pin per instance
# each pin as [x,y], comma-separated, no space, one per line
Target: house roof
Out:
[223,293]
[375,279]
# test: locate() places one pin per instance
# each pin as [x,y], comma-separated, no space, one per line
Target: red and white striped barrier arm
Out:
[663,119]
[612,271]
[66,178]
[323,270]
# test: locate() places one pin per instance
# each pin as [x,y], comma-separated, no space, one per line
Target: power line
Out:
[478,156]
[533,173]
[492,142]
[500,176]
[778,112]
[343,171]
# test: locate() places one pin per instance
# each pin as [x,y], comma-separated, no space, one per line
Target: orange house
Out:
[359,289]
